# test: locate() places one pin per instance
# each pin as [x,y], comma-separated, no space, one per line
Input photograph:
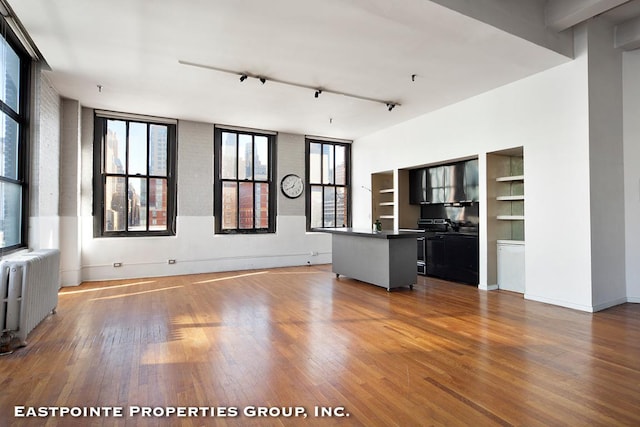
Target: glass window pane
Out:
[315,162]
[341,165]
[158,204]
[262,205]
[261,160]
[137,149]
[229,205]
[10,76]
[10,214]
[229,153]
[245,157]
[115,147]
[329,208]
[245,165]
[327,164]
[114,204]
[245,207]
[341,207]
[137,204]
[158,150]
[9,153]
[316,206]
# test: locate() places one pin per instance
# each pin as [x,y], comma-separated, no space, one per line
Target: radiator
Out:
[28,291]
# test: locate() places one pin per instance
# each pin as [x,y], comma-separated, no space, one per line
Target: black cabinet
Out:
[454,257]
[427,185]
[451,183]
[436,259]
[470,180]
[418,186]
[462,256]
[436,184]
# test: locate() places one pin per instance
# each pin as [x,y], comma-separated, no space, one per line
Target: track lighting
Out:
[244,75]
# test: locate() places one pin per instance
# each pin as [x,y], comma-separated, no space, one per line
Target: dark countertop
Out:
[456,233]
[385,234]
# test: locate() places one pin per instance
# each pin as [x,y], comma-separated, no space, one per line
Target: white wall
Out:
[70,248]
[631,96]
[548,115]
[195,247]
[606,167]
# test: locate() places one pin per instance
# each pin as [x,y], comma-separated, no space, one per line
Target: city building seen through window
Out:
[328,180]
[138,190]
[244,189]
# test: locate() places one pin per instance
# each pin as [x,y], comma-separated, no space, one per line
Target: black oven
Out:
[422,256]
[430,227]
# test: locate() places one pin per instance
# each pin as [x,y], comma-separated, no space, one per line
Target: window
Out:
[135,162]
[328,180]
[14,106]
[244,188]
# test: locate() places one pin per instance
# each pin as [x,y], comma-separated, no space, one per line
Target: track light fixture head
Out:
[390,106]
[318,92]
[243,77]
[262,80]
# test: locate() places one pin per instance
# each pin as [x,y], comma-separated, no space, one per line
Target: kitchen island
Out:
[384,258]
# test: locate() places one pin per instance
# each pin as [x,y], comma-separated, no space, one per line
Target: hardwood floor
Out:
[441,354]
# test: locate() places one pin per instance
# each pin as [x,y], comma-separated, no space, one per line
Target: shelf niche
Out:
[507,180]
[383,199]
[506,219]
[390,200]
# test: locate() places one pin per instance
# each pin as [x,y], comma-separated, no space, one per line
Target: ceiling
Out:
[623,13]
[131,56]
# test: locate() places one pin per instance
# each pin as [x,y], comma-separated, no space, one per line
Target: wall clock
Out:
[292,186]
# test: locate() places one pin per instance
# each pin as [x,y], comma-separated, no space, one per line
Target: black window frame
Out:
[100,175]
[218,181]
[309,184]
[22,118]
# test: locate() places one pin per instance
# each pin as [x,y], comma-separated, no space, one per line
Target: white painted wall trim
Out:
[196,249]
[561,303]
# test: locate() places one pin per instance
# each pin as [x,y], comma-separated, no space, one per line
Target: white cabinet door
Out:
[511,266]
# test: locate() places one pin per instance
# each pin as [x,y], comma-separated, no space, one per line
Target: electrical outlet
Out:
[171,261]
[117,264]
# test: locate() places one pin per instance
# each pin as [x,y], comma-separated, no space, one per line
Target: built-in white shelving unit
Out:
[390,200]
[383,199]
[506,221]
[510,197]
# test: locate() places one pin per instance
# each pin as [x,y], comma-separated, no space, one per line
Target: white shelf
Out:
[510,217]
[510,242]
[510,198]
[386,204]
[510,178]
[387,190]
[387,217]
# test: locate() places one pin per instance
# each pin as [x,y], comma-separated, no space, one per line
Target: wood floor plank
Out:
[440,354]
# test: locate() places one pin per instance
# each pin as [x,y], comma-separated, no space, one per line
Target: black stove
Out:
[431,246]
[433,224]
